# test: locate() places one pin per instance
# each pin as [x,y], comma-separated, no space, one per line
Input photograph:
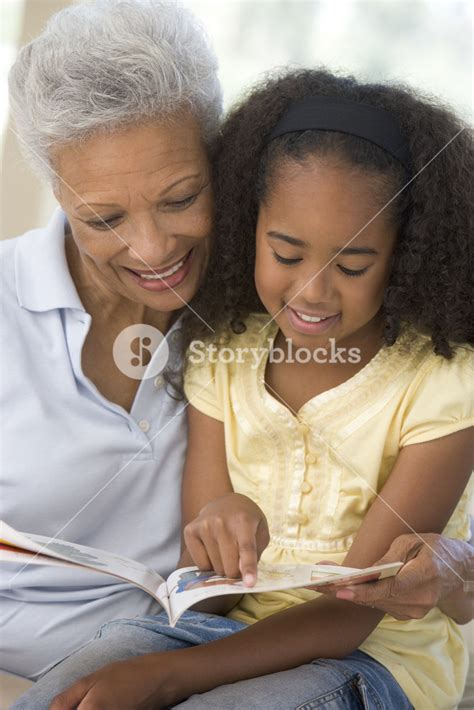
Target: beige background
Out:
[25,200]
[426,43]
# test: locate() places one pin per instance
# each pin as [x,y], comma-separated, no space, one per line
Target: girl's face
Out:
[311,212]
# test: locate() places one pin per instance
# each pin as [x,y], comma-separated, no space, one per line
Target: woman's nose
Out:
[150,244]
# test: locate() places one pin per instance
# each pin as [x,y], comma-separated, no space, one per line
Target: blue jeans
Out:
[357,681]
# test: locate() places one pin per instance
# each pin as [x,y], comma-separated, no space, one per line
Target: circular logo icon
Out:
[140,351]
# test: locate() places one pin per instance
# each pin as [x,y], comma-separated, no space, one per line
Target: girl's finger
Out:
[229,553]
[197,549]
[248,559]
[212,549]
[262,536]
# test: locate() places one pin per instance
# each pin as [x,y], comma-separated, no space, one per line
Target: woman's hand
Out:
[228,536]
[138,684]
[433,574]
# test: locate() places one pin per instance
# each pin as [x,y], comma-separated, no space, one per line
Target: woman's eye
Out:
[352,272]
[282,260]
[181,204]
[104,223]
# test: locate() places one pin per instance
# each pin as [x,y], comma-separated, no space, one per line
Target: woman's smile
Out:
[156,212]
[170,278]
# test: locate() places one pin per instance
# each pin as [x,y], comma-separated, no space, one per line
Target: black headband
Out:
[330,113]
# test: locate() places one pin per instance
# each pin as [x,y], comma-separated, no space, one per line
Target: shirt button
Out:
[310,458]
[306,487]
[176,336]
[159,381]
[303,426]
[144,425]
[300,518]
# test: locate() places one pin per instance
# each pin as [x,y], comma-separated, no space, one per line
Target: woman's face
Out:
[314,292]
[139,203]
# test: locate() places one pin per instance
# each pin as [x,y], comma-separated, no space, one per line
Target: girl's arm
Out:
[421,494]
[205,480]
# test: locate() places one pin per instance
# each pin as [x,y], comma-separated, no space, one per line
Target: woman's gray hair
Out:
[103,65]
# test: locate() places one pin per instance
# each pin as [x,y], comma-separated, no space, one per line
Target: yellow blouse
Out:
[316,475]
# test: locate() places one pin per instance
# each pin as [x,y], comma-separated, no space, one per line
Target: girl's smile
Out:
[309,324]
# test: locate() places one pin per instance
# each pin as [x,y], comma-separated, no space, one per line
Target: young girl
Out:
[333,404]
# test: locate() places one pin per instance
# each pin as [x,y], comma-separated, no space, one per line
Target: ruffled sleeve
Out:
[440,401]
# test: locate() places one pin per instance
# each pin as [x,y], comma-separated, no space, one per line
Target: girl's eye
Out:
[181,204]
[351,272]
[282,260]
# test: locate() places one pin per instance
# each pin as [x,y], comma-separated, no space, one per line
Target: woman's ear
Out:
[55,179]
[56,187]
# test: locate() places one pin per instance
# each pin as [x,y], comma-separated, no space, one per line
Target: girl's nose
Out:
[316,287]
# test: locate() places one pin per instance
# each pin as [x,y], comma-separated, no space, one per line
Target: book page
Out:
[16,546]
[341,576]
[189,585]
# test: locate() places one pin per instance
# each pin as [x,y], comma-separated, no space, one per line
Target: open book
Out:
[184,587]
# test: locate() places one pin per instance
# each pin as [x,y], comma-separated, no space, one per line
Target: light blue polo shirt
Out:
[69,454]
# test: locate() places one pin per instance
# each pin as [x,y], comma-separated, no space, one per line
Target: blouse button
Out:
[300,518]
[310,458]
[144,425]
[159,381]
[306,487]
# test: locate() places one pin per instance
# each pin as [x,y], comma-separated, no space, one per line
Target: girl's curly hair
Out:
[430,284]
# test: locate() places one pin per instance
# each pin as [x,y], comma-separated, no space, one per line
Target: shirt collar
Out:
[43,279]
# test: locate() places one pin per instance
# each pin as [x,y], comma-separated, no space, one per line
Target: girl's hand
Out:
[228,536]
[137,684]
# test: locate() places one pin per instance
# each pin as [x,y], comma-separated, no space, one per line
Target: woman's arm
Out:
[459,605]
[437,572]
[420,494]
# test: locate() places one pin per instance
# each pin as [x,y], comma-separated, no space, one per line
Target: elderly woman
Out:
[116,103]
